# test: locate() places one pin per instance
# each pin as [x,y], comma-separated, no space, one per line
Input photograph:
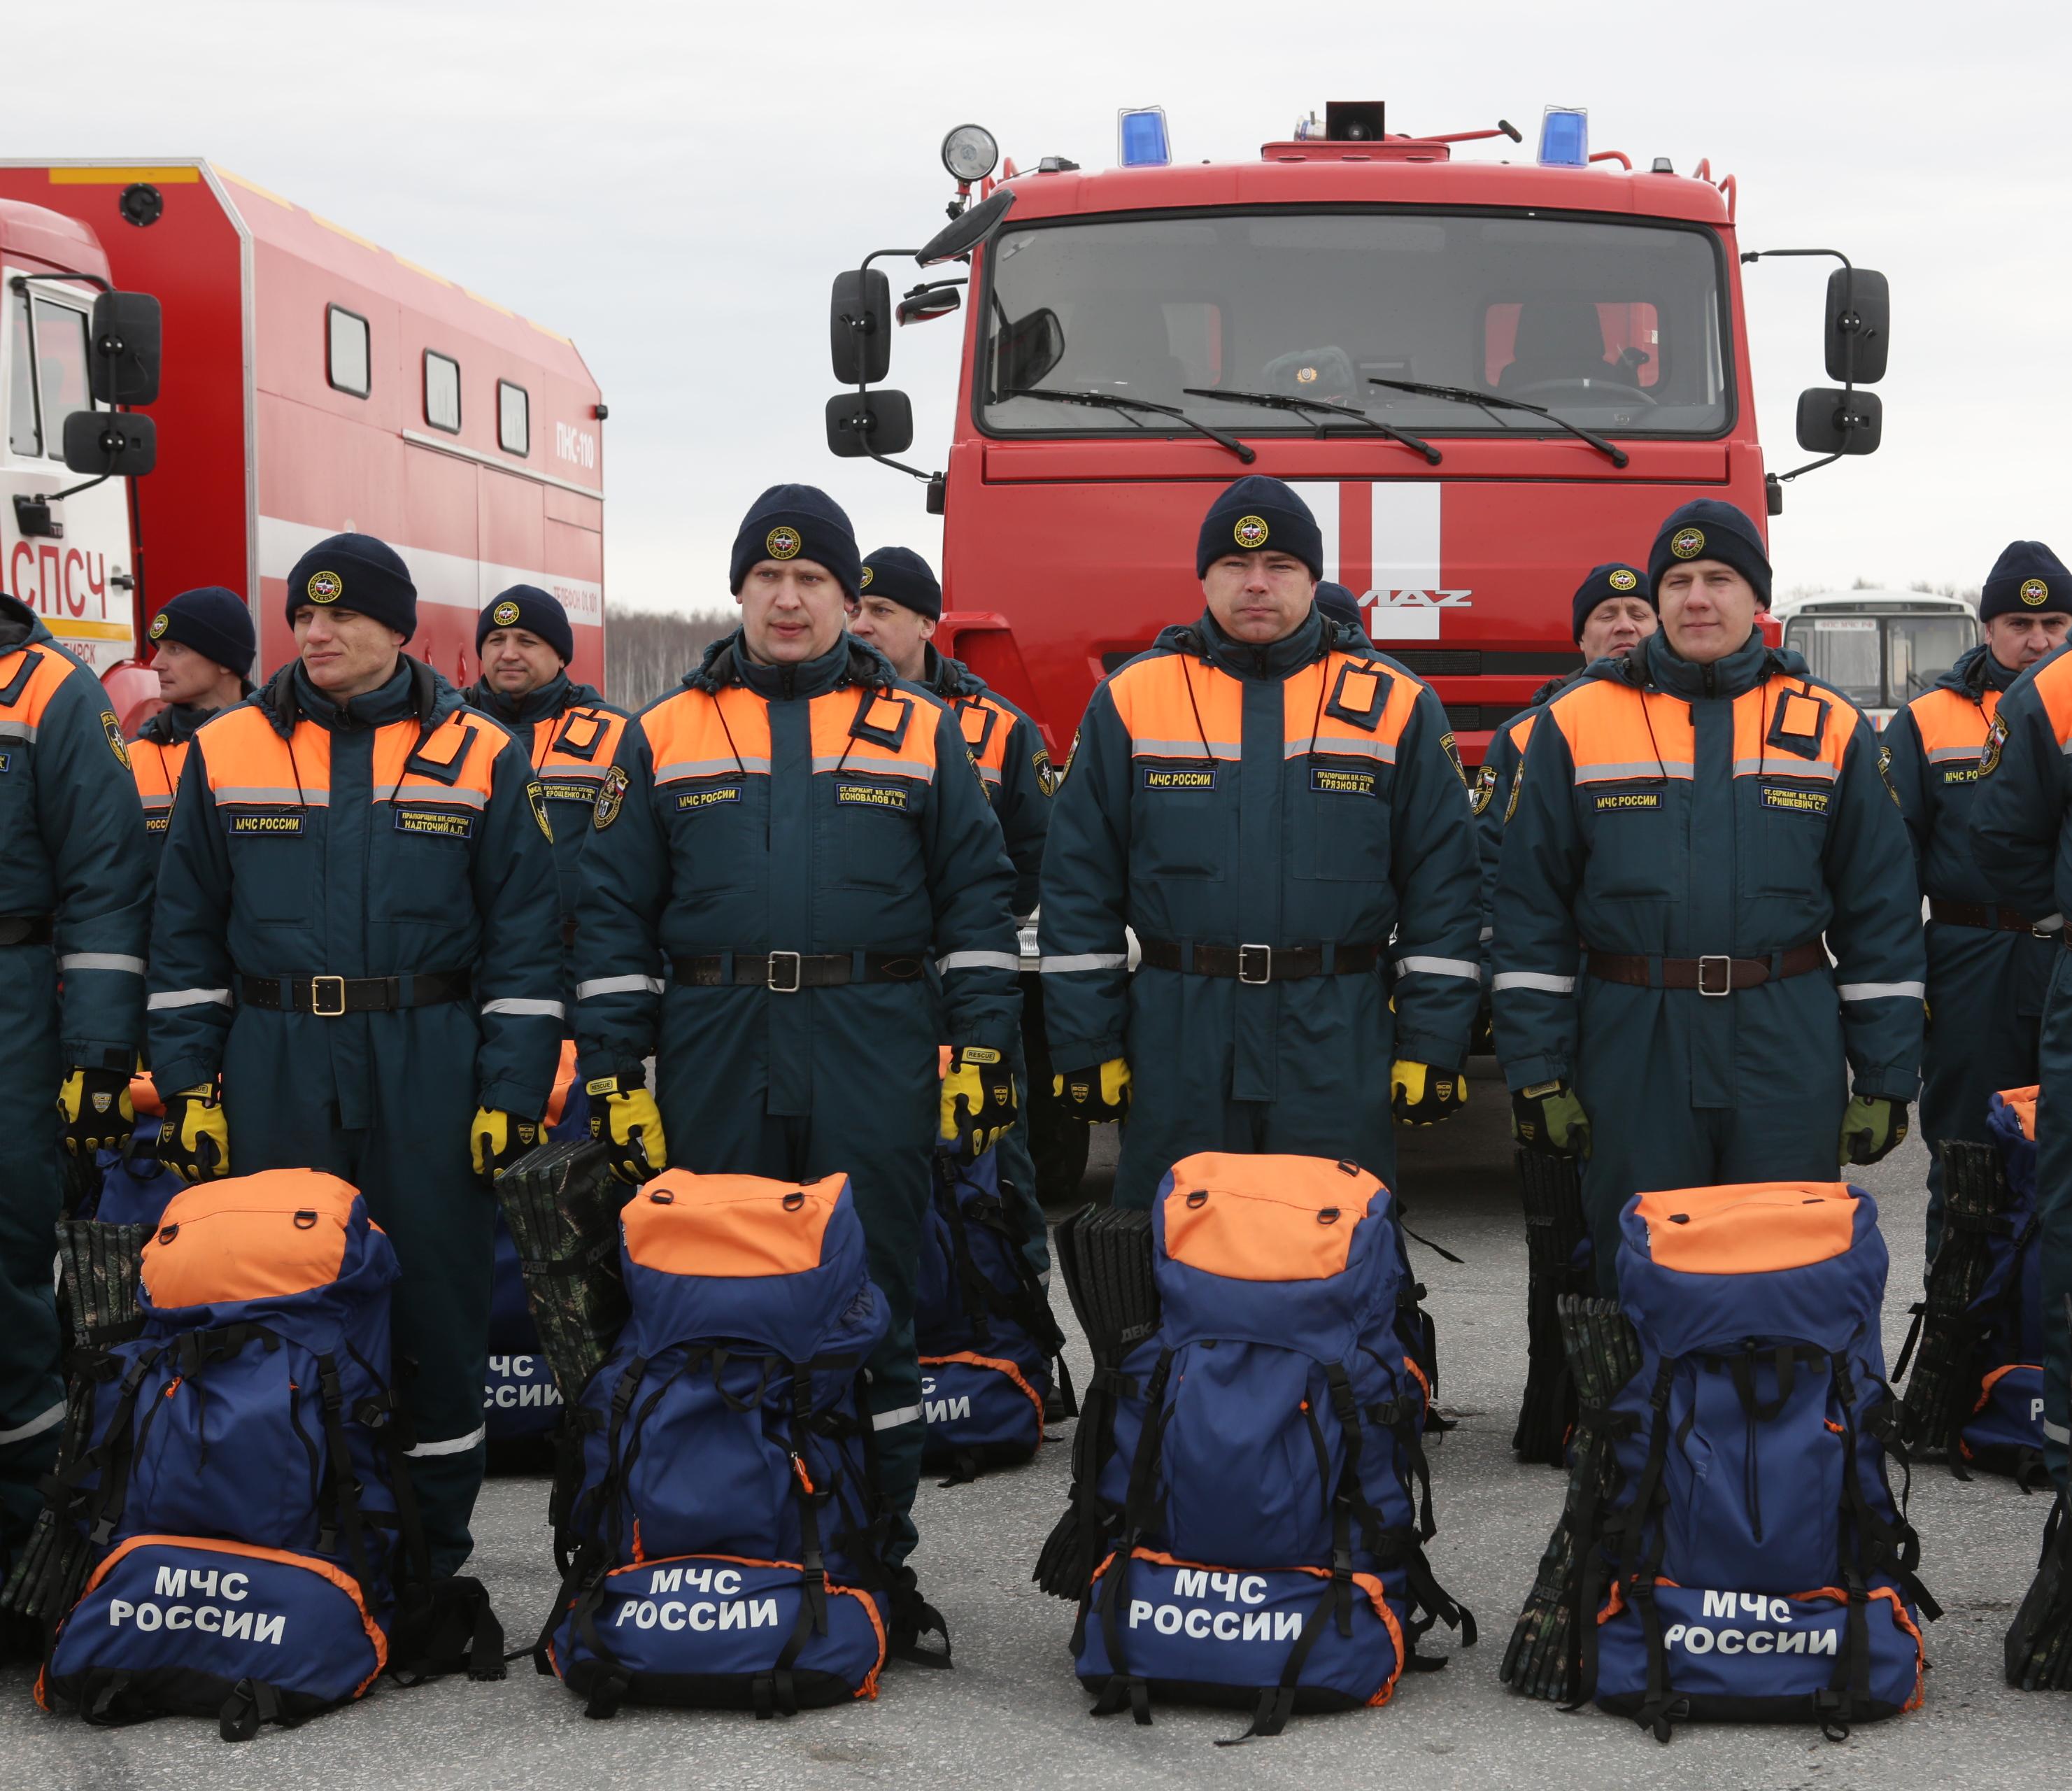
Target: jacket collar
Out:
[175,724]
[1654,664]
[949,677]
[19,625]
[415,693]
[848,661]
[543,704]
[1276,660]
[1976,673]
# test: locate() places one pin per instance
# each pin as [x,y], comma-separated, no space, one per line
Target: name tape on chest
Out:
[872,796]
[1612,802]
[1343,780]
[267,825]
[568,791]
[435,823]
[711,796]
[1791,800]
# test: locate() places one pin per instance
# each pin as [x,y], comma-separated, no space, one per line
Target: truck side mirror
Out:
[927,302]
[1858,326]
[1835,421]
[859,325]
[967,230]
[110,444]
[123,365]
[1026,350]
[860,424]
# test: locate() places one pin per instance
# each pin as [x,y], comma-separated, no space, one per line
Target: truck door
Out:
[77,578]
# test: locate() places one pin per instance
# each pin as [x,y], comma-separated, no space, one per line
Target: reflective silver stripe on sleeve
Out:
[42,1422]
[978,961]
[17,730]
[1945,756]
[1184,749]
[101,960]
[1818,769]
[1643,767]
[1339,746]
[548,1010]
[452,1445]
[187,998]
[1532,979]
[872,767]
[619,986]
[1441,966]
[879,1421]
[1086,960]
[267,794]
[681,768]
[444,795]
[2057,1432]
[1879,991]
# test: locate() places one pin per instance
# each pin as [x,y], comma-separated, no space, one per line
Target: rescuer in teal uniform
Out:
[1612,612]
[74,914]
[782,846]
[202,644]
[1265,800]
[898,607]
[356,925]
[1988,965]
[2021,838]
[1687,824]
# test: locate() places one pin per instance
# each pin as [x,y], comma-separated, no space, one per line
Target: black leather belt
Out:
[1993,919]
[786,973]
[25,929]
[1709,976]
[331,997]
[1257,963]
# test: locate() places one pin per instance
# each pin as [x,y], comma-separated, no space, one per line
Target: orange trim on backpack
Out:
[1616,733]
[2022,1101]
[237,1239]
[144,1097]
[1167,704]
[1265,1218]
[1993,1380]
[1899,1616]
[565,1079]
[1377,1595]
[252,1551]
[998,1366]
[729,1226]
[709,733]
[1424,1386]
[1749,1228]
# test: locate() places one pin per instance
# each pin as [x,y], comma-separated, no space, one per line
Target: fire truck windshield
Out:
[1616,327]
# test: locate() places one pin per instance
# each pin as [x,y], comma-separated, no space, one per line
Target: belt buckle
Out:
[792,987]
[1246,960]
[318,986]
[2042,932]
[1726,975]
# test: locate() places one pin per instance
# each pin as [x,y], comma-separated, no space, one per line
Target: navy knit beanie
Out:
[1338,604]
[217,623]
[356,572]
[1255,513]
[2027,579]
[796,522]
[902,574]
[1707,530]
[535,611]
[1613,578]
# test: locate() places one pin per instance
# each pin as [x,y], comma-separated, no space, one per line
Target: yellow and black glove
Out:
[1547,1117]
[1099,1096]
[1872,1130]
[194,1139]
[978,1101]
[1422,1095]
[497,1139]
[631,1123]
[94,1105]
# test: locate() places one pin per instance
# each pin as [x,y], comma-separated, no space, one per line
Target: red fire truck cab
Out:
[1484,376]
[311,382]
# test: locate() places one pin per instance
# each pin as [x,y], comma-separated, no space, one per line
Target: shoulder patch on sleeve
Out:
[1484,788]
[1988,760]
[1451,748]
[113,729]
[1046,777]
[610,798]
[535,799]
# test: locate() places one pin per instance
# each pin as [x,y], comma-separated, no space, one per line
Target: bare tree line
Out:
[647,653]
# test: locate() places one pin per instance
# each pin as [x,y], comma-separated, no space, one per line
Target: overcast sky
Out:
[673,186]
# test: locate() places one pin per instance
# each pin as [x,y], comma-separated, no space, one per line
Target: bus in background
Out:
[1882,649]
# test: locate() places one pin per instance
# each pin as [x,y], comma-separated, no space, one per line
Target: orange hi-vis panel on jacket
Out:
[571,753]
[879,734]
[250,765]
[988,727]
[1953,728]
[1787,728]
[1616,733]
[709,733]
[1174,706]
[28,691]
[157,768]
[2053,687]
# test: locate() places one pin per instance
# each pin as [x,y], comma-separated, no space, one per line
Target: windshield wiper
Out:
[1110,401]
[1492,402]
[1280,401]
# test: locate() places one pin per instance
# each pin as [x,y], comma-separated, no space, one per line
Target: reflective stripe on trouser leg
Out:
[31,1382]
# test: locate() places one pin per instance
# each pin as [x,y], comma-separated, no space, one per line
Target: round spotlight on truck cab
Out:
[970,153]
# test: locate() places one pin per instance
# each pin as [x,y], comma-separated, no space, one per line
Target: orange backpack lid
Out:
[1749,1228]
[1265,1218]
[2023,1101]
[263,1237]
[729,1226]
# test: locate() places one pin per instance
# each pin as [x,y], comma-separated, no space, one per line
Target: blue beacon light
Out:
[1140,140]
[1564,137]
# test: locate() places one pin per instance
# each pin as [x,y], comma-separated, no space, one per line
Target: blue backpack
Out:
[987,1340]
[723,1542]
[1750,1561]
[2004,1427]
[240,1491]
[1266,1497]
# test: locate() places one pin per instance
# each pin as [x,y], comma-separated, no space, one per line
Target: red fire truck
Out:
[311,382]
[1484,375]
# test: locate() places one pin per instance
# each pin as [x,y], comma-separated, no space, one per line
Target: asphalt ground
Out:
[1012,1713]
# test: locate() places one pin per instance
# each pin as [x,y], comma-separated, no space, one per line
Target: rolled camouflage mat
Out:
[1603,1354]
[1943,1341]
[1553,1191]
[562,1203]
[1104,1254]
[98,1269]
[2038,1650]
